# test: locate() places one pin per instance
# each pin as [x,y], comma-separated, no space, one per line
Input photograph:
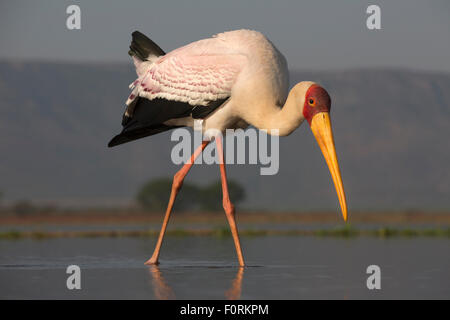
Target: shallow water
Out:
[205,268]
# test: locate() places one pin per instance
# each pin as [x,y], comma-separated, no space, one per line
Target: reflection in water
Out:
[160,287]
[234,292]
[164,292]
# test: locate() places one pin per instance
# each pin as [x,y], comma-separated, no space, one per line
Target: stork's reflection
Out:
[234,292]
[163,291]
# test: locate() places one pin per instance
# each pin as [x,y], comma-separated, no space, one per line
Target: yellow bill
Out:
[321,128]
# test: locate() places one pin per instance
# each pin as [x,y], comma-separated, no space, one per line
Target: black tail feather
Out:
[142,47]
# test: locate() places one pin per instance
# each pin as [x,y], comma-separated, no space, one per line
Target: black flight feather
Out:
[149,116]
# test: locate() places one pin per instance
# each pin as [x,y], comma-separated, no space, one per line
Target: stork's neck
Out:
[282,121]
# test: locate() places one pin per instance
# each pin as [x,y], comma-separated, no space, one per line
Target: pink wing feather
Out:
[198,73]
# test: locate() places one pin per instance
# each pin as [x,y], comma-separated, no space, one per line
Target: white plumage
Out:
[242,61]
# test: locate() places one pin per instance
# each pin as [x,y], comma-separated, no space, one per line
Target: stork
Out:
[231,80]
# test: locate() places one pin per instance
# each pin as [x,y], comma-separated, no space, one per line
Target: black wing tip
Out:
[120,139]
[113,142]
[142,46]
[139,36]
[137,33]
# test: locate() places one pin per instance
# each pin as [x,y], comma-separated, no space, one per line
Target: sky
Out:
[313,35]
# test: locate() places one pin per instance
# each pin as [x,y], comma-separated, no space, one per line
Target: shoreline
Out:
[339,232]
[138,217]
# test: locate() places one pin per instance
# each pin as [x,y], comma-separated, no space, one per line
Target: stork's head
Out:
[316,110]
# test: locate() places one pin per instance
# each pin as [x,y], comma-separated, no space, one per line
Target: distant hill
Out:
[392,130]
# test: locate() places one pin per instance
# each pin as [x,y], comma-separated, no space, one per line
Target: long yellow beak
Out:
[321,128]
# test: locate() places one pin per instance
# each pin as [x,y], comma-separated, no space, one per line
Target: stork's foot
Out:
[152,261]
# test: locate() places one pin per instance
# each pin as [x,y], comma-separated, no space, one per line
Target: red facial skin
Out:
[317,100]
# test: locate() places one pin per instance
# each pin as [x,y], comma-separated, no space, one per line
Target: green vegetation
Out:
[154,195]
[345,232]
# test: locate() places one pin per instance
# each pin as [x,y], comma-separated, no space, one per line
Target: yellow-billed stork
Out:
[231,80]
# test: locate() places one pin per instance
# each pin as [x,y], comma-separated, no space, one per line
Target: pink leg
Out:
[227,205]
[176,186]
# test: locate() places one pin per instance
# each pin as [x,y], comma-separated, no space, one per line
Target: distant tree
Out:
[211,195]
[23,207]
[154,195]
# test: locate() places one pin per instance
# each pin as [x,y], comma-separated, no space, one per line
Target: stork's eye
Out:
[312,102]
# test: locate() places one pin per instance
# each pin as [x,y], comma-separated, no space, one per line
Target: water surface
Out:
[206,268]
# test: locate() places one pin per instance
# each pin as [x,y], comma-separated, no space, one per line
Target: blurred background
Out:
[62,95]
